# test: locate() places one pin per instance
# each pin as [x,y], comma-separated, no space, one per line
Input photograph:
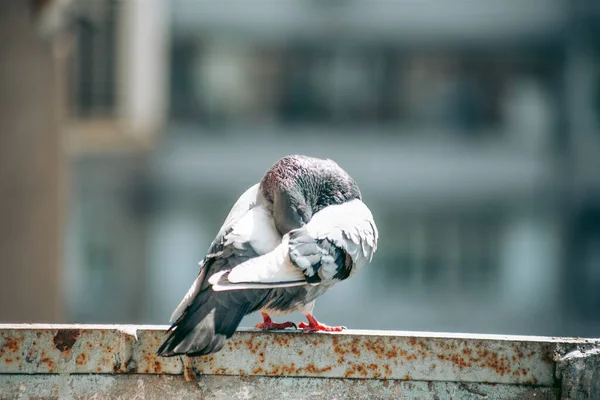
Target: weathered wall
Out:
[119,362]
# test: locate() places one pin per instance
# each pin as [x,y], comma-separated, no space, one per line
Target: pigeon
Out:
[286,241]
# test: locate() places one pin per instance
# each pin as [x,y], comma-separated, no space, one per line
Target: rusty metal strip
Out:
[352,354]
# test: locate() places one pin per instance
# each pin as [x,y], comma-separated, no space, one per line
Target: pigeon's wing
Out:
[205,318]
[337,241]
[236,231]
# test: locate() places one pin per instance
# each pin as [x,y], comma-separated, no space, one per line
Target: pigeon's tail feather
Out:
[210,319]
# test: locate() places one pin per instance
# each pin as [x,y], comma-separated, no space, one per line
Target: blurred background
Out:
[129,128]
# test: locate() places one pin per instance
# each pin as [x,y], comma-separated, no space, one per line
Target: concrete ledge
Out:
[579,372]
[384,361]
[214,387]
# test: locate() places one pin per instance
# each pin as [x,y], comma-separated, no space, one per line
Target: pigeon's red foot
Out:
[315,326]
[268,324]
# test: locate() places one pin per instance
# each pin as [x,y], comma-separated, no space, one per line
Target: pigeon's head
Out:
[296,187]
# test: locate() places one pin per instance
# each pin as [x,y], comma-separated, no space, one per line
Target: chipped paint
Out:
[372,355]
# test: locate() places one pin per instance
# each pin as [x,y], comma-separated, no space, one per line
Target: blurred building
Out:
[32,172]
[472,128]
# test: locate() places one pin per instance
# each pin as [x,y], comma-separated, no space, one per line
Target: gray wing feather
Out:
[244,203]
[205,318]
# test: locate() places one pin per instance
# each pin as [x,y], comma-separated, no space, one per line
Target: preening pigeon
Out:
[286,240]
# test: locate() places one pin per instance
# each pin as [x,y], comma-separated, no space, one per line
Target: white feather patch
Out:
[242,286]
[350,226]
[273,269]
[245,202]
[255,227]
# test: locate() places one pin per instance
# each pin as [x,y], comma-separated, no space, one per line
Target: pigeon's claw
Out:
[268,324]
[315,326]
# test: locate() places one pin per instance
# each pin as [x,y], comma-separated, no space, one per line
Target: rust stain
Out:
[388,370]
[520,354]
[11,344]
[288,369]
[284,370]
[479,356]
[274,370]
[251,346]
[65,339]
[354,347]
[547,354]
[344,347]
[356,369]
[497,363]
[258,371]
[376,347]
[152,363]
[188,373]
[459,361]
[392,353]
[157,367]
[312,369]
[261,357]
[50,363]
[81,359]
[281,340]
[336,346]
